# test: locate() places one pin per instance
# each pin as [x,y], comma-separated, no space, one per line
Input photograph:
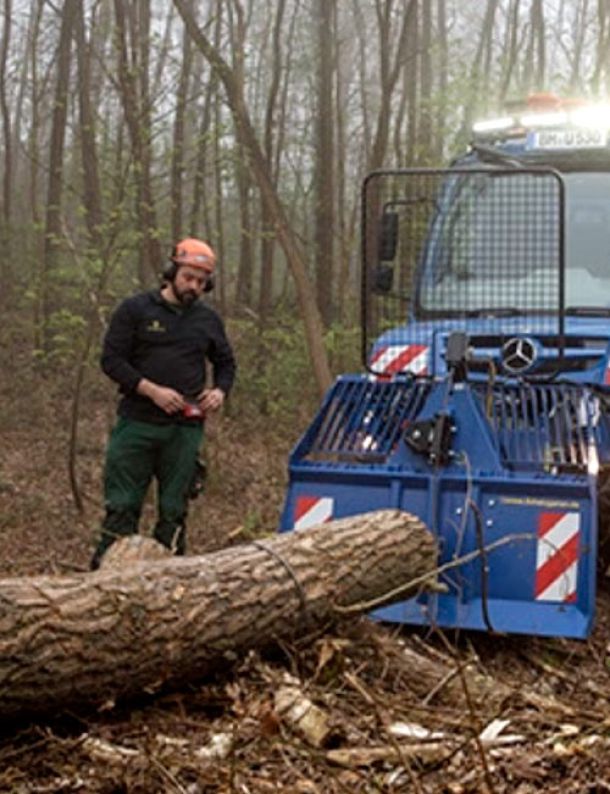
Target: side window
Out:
[588,239]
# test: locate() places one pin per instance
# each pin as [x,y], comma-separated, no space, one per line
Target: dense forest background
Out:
[127,125]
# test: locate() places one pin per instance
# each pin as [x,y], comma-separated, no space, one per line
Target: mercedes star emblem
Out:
[519,354]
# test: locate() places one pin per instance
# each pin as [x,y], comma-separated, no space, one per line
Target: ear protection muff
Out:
[170,268]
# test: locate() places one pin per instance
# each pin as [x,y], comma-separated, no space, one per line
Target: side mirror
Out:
[383,278]
[388,236]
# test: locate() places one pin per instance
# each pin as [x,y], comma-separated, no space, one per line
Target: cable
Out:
[300,592]
[478,520]
[469,504]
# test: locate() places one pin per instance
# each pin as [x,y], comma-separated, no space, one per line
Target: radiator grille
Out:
[543,426]
[363,420]
[538,427]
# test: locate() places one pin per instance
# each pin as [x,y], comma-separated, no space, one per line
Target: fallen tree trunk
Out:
[90,638]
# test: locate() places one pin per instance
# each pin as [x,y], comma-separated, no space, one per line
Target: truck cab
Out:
[510,245]
[484,405]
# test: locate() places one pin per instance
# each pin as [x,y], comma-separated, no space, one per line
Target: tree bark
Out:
[90,638]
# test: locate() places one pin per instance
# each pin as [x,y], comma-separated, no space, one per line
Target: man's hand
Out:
[211,399]
[168,400]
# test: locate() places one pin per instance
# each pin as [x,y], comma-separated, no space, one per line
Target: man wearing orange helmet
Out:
[156,349]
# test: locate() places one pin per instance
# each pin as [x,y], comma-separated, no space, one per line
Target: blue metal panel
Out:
[526,539]
[585,353]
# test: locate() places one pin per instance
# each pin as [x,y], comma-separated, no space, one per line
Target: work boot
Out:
[172,536]
[105,542]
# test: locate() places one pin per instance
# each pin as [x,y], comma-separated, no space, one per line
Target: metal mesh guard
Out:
[478,250]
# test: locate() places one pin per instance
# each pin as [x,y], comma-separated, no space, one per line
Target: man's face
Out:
[188,284]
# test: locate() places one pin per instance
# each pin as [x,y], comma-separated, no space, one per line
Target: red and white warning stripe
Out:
[312,510]
[401,358]
[557,556]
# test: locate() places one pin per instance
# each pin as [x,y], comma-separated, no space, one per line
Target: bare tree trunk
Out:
[361,60]
[91,638]
[245,270]
[92,200]
[20,112]
[34,170]
[443,82]
[510,54]
[177,169]
[324,167]
[580,32]
[164,49]
[260,170]
[535,53]
[390,65]
[425,94]
[219,221]
[484,46]
[56,160]
[538,35]
[411,71]
[344,239]
[237,25]
[7,183]
[133,81]
[197,227]
[267,247]
[92,189]
[602,47]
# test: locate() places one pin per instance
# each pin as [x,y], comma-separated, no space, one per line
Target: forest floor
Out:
[407,710]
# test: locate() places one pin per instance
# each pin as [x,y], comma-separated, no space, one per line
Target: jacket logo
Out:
[156,326]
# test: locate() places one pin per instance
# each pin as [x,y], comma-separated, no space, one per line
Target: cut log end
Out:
[133,549]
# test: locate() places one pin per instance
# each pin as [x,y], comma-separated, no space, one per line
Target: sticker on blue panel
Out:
[310,511]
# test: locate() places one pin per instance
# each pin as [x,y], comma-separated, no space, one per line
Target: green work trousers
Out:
[137,452]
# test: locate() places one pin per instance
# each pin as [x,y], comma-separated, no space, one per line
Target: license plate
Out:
[567,139]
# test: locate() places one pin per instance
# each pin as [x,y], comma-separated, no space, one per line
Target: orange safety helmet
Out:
[195,253]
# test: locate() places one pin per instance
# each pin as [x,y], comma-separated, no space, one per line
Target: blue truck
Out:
[482,406]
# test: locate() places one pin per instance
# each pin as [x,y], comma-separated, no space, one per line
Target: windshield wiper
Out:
[499,311]
[588,311]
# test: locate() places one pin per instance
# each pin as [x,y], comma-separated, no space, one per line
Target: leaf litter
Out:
[362,707]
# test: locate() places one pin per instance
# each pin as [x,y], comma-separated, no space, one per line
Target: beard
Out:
[185,297]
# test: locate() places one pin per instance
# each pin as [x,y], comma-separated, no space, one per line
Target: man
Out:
[155,349]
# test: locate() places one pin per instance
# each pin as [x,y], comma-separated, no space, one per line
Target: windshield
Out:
[495,245]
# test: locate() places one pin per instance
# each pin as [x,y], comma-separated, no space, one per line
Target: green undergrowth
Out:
[276,385]
[275,390]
